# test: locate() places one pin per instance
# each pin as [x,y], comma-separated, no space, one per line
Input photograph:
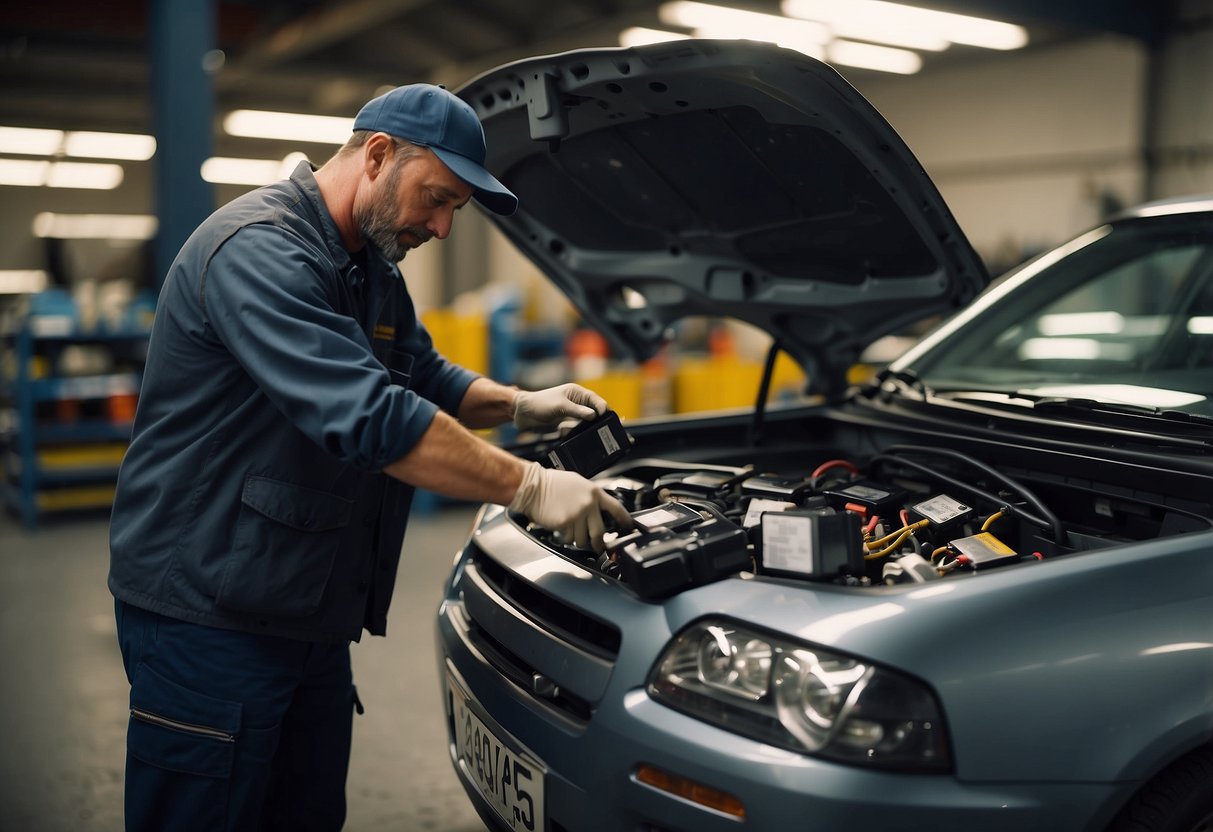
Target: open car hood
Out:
[721,178]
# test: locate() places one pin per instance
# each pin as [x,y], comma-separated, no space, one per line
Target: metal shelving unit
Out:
[63,436]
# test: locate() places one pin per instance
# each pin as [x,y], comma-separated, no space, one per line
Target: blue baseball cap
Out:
[438,119]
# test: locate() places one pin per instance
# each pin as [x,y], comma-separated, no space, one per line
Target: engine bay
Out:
[908,514]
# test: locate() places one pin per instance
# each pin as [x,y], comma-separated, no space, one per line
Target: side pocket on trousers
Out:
[177,729]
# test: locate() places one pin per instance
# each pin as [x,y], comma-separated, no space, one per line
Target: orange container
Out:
[121,407]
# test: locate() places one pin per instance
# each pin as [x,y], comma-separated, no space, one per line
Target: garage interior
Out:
[1107,103]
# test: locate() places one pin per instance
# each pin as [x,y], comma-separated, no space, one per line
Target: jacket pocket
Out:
[177,729]
[399,366]
[286,540]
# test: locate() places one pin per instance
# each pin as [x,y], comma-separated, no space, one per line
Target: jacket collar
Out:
[378,266]
[305,180]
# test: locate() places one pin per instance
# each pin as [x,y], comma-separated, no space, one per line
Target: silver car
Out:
[975,593]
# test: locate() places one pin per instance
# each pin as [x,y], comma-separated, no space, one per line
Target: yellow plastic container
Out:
[464,339]
[715,383]
[621,389]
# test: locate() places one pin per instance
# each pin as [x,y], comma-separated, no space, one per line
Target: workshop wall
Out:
[1183,104]
[1027,148]
[1030,148]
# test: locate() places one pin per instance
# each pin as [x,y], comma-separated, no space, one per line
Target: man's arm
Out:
[487,404]
[451,460]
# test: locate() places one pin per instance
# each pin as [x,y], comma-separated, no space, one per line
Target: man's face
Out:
[412,201]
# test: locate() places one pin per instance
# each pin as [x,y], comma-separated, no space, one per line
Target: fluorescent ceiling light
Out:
[30,141]
[94,226]
[881,15]
[26,173]
[639,36]
[22,281]
[712,21]
[34,173]
[263,124]
[1081,323]
[92,176]
[109,145]
[871,56]
[225,170]
[1201,326]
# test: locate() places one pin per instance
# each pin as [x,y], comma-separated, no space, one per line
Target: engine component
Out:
[701,483]
[981,551]
[946,515]
[591,446]
[627,490]
[671,516]
[663,562]
[909,567]
[699,523]
[776,487]
[872,498]
[811,543]
[759,506]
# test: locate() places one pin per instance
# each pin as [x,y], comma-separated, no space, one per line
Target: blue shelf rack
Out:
[49,464]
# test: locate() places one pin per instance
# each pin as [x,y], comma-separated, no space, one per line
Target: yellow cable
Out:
[990,520]
[876,544]
[895,545]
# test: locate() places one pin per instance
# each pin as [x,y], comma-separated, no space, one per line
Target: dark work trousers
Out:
[233,731]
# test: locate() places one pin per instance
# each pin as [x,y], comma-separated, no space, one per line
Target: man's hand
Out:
[546,408]
[568,503]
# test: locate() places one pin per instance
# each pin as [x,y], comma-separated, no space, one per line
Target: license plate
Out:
[512,782]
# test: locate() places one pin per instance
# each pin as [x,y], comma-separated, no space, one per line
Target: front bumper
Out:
[591,763]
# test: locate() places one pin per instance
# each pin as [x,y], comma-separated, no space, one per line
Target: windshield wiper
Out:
[1064,403]
[1122,414]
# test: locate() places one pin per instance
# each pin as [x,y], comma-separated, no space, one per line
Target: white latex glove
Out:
[568,503]
[546,408]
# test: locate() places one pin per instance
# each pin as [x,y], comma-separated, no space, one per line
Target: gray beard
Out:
[386,240]
[383,233]
[379,225]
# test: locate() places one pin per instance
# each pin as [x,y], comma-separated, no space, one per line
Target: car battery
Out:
[590,447]
[659,565]
[819,544]
[777,487]
[945,516]
[867,497]
[671,516]
[702,483]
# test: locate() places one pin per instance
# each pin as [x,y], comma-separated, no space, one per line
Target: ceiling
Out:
[83,64]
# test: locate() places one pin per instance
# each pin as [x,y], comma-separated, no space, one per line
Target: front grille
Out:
[505,619]
[514,668]
[569,623]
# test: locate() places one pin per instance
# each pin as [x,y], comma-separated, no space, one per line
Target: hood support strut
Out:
[764,391]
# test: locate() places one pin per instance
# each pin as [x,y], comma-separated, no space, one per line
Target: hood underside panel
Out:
[721,178]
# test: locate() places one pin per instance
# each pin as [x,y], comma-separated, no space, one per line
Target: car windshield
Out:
[1125,317]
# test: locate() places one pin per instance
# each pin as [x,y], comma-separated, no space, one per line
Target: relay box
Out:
[590,447]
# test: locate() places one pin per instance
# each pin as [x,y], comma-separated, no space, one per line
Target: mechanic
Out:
[291,402]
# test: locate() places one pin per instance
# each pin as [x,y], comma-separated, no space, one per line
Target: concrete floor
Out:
[63,693]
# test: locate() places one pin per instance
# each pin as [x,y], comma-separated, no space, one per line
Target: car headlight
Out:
[801,697]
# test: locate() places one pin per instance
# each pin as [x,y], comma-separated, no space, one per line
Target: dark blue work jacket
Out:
[281,378]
